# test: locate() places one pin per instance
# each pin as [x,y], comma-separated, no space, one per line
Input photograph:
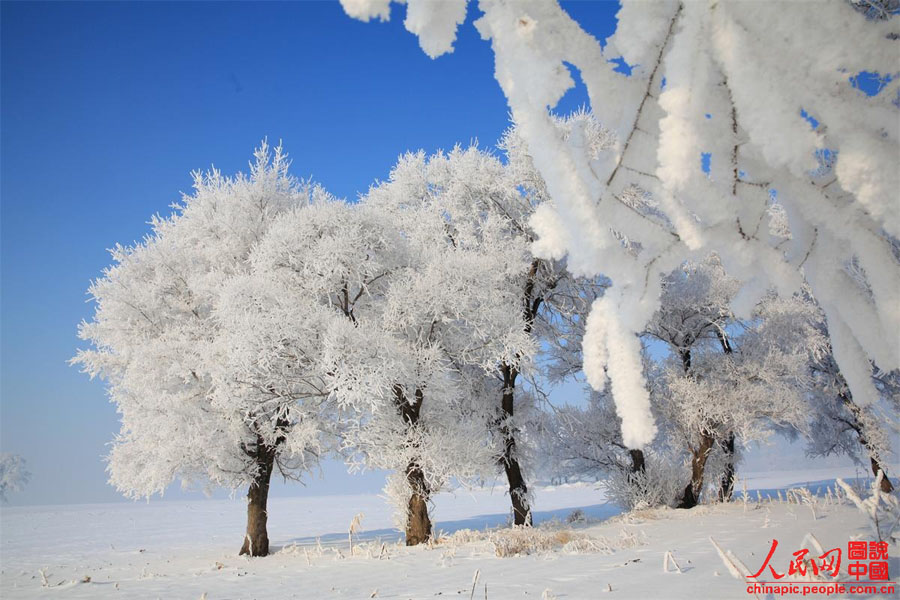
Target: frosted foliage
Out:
[737,76]
[657,485]
[839,423]
[586,443]
[724,376]
[435,22]
[694,304]
[266,314]
[421,287]
[171,360]
[365,10]
[13,475]
[642,27]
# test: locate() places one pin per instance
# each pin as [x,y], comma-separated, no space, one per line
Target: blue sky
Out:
[107,107]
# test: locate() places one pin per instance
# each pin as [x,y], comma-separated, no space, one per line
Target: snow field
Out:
[188,549]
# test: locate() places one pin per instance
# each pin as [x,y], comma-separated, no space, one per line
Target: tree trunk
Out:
[886,486]
[637,461]
[691,495]
[418,524]
[518,490]
[256,540]
[638,467]
[518,493]
[726,488]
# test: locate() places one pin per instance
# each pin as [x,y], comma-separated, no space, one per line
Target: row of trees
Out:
[266,324]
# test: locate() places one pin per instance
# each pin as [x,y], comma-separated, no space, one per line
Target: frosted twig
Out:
[355,525]
[667,558]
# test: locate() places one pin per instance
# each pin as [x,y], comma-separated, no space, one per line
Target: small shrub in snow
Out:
[576,516]
[463,536]
[883,510]
[587,545]
[355,527]
[531,540]
[657,485]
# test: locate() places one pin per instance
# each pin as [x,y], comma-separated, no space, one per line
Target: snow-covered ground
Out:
[188,549]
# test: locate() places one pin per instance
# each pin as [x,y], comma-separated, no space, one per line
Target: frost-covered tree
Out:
[585,442]
[181,380]
[407,299]
[454,307]
[694,317]
[716,383]
[330,268]
[485,204]
[740,394]
[838,424]
[726,379]
[552,301]
[13,475]
[740,83]
[721,380]
[489,204]
[841,426]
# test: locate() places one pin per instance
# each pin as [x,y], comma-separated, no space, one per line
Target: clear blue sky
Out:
[107,107]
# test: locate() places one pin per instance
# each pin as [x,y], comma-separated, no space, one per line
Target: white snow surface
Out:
[170,549]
